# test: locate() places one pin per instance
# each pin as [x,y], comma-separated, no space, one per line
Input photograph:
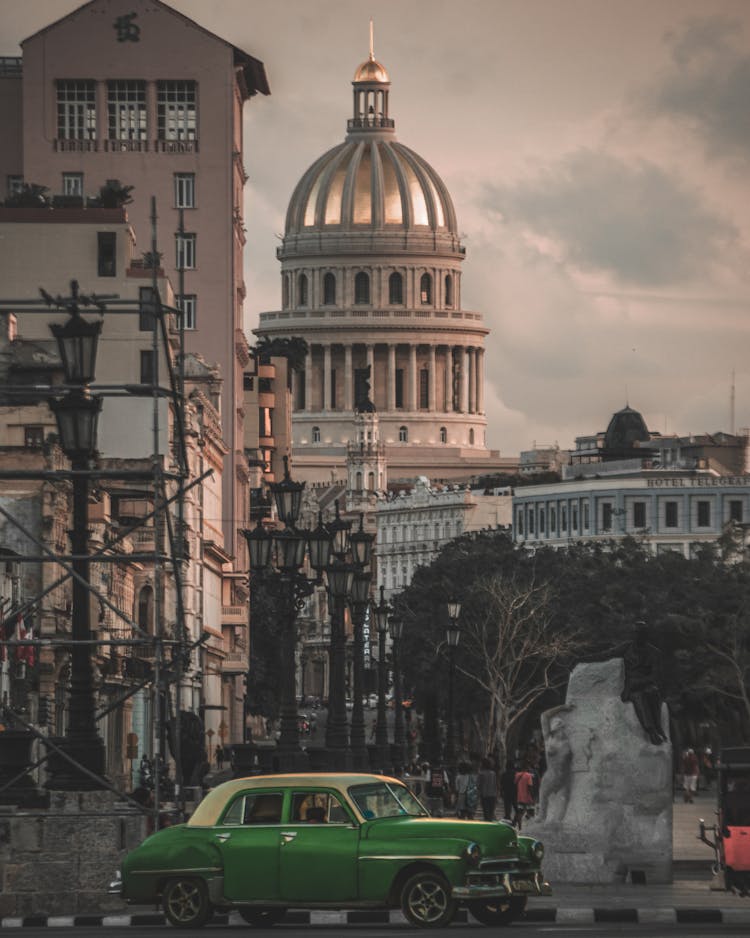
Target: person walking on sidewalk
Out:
[690,771]
[508,789]
[487,785]
[524,796]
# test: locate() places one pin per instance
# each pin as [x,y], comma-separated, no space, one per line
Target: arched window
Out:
[362,288]
[443,435]
[329,289]
[285,291]
[316,434]
[403,435]
[371,482]
[471,436]
[358,483]
[145,617]
[302,298]
[396,289]
[448,290]
[425,289]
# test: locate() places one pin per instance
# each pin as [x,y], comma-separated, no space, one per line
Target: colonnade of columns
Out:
[454,382]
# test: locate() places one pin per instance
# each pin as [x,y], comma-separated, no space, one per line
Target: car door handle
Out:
[223,837]
[288,836]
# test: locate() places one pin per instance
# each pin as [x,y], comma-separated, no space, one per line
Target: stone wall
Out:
[605,811]
[60,861]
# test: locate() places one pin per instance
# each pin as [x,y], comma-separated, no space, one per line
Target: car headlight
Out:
[473,853]
[538,850]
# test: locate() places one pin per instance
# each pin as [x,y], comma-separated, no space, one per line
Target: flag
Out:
[30,649]
[25,653]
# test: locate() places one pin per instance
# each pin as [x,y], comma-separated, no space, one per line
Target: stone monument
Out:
[605,812]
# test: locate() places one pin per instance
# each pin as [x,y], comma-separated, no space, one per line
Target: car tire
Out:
[185,903]
[426,900]
[497,911]
[262,918]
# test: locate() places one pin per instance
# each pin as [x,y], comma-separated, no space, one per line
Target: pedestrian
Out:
[690,770]
[508,789]
[219,757]
[524,796]
[487,785]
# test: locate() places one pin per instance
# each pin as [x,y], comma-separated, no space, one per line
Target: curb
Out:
[556,916]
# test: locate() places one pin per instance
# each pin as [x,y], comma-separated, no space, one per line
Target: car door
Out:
[319,849]
[248,840]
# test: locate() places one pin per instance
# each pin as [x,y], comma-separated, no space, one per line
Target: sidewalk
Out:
[688,899]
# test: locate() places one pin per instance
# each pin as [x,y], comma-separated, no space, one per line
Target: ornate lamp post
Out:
[275,561]
[340,576]
[382,611]
[396,628]
[452,636]
[361,547]
[77,413]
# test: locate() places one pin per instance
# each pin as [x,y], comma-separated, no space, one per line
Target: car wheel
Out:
[262,918]
[185,903]
[426,901]
[497,911]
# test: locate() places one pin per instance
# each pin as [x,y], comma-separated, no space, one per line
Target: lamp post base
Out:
[65,776]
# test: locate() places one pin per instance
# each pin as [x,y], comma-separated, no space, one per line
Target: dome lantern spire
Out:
[371,88]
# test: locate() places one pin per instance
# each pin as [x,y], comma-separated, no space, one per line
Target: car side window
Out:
[317,807]
[262,808]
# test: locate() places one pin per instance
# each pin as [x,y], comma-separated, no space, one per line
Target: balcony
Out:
[234,615]
[236,662]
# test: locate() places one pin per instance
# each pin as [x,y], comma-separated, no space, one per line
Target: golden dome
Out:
[371,70]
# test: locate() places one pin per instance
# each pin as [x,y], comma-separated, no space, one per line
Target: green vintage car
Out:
[323,841]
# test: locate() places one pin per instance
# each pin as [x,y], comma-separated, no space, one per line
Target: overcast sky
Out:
[598,156]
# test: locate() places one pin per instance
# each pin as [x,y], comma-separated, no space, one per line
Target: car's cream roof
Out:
[208,811]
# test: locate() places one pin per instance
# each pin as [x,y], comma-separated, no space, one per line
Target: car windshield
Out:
[386,799]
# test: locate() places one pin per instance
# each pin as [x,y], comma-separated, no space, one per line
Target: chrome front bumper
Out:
[496,885]
[115,887]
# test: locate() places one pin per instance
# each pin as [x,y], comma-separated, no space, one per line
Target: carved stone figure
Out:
[555,793]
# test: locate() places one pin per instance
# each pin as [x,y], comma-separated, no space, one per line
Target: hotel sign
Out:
[708,482]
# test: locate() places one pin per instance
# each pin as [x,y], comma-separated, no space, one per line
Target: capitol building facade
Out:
[371,279]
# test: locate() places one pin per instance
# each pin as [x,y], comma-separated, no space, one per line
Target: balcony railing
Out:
[64,145]
[234,615]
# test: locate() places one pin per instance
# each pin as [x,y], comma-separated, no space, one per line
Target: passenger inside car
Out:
[316,815]
[264,809]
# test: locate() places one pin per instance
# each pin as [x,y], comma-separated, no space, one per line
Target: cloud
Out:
[633,220]
[706,86]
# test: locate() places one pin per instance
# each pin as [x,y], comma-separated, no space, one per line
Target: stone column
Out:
[309,379]
[327,376]
[471,360]
[480,380]
[463,358]
[411,401]
[348,396]
[391,378]
[432,394]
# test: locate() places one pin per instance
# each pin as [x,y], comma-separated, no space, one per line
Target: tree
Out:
[295,349]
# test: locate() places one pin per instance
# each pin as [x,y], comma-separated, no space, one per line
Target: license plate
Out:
[523,885]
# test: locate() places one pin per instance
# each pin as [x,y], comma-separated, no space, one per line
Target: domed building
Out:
[371,278]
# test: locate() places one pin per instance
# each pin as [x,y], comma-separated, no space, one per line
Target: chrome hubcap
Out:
[428,901]
[184,901]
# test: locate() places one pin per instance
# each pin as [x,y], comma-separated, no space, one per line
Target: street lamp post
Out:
[340,576]
[275,561]
[382,611]
[361,548]
[77,414]
[396,626]
[452,635]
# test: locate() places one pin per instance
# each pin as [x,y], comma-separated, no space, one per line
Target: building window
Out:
[362,288]
[177,111]
[735,511]
[184,190]
[425,289]
[329,289]
[586,518]
[396,289]
[519,522]
[671,515]
[704,514]
[72,184]
[530,525]
[606,517]
[424,388]
[76,110]
[106,254]
[188,303]
[146,309]
[564,518]
[316,434]
[574,518]
[639,514]
[443,435]
[552,521]
[185,251]
[148,372]
[448,290]
[126,110]
[333,388]
[285,292]
[146,610]
[403,435]
[471,436]
[302,298]
[14,185]
[542,519]
[399,387]
[33,437]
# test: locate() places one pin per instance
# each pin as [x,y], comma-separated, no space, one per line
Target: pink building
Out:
[135,91]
